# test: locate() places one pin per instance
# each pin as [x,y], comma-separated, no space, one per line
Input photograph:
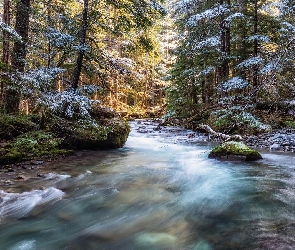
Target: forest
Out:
[73,72]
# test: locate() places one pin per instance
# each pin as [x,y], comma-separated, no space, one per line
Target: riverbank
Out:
[13,175]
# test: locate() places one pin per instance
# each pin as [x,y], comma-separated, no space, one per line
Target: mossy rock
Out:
[100,134]
[233,148]
[59,136]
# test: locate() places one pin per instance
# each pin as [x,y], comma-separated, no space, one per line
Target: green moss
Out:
[111,133]
[32,144]
[13,155]
[235,148]
[60,136]
[289,123]
[97,134]
[13,125]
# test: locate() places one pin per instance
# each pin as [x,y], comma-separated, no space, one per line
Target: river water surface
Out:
[160,191]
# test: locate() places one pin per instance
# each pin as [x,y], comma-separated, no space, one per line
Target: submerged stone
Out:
[156,240]
[233,148]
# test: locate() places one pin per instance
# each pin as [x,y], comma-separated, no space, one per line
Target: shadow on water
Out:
[158,192]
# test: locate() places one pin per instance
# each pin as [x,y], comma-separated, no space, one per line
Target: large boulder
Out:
[237,149]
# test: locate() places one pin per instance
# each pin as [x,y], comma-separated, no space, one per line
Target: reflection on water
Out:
[158,192]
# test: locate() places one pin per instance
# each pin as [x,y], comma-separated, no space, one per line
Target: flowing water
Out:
[160,191]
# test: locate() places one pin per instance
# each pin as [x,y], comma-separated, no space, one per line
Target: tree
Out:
[5,46]
[227,55]
[18,60]
[18,57]
[82,48]
[6,42]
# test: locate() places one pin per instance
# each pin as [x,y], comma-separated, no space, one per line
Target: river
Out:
[160,191]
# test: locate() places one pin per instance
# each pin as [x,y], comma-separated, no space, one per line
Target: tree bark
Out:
[18,57]
[22,28]
[255,47]
[225,46]
[49,20]
[79,62]
[6,44]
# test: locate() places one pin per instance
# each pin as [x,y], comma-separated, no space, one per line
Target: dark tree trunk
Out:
[242,41]
[18,57]
[22,28]
[78,68]
[255,47]
[49,19]
[6,19]
[222,45]
[6,45]
[225,46]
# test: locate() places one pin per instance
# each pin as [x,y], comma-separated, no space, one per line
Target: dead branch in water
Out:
[221,136]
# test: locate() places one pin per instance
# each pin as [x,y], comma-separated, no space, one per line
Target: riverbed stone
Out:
[156,240]
[275,146]
[233,148]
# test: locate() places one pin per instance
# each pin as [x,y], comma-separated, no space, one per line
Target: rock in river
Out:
[233,148]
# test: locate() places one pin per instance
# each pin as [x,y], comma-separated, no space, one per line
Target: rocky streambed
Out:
[14,174]
[280,140]
[277,140]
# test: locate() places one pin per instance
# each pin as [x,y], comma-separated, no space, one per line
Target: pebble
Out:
[37,162]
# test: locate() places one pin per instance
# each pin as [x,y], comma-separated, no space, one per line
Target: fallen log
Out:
[220,136]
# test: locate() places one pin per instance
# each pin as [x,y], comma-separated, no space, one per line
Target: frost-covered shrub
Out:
[42,79]
[10,31]
[237,120]
[233,84]
[58,39]
[69,104]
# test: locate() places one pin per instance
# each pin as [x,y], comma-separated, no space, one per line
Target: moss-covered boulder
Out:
[96,134]
[26,137]
[111,133]
[233,148]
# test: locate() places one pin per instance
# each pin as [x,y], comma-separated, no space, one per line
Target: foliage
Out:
[230,54]
[12,126]
[69,105]
[121,53]
[236,120]
[32,144]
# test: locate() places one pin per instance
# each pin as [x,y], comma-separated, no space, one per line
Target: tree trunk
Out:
[241,46]
[222,46]
[18,59]
[6,45]
[49,20]
[225,46]
[6,19]
[78,68]
[255,48]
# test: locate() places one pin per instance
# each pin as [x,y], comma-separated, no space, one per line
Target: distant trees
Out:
[107,50]
[232,54]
